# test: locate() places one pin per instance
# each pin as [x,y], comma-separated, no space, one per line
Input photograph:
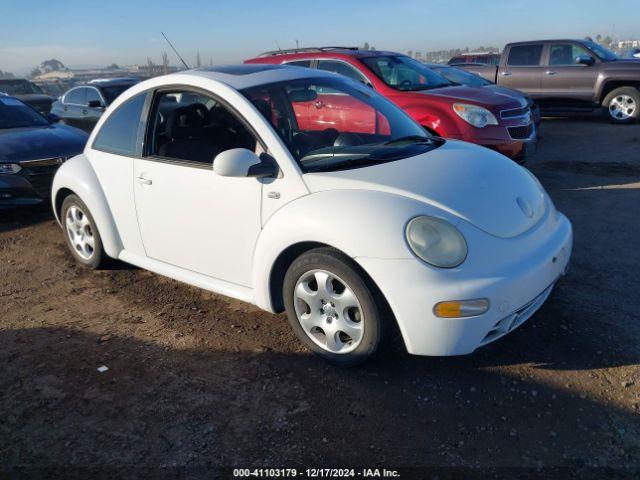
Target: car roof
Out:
[13,80]
[113,81]
[327,51]
[549,40]
[250,75]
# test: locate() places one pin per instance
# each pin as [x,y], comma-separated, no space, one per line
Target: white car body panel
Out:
[225,234]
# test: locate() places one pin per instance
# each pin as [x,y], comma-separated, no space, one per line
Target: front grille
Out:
[41,178]
[520,133]
[515,112]
[517,318]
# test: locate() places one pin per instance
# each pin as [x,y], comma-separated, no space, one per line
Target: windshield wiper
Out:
[409,138]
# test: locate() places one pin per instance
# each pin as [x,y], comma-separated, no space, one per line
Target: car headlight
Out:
[474,115]
[436,241]
[9,168]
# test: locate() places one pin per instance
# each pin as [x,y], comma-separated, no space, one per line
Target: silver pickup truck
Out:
[568,76]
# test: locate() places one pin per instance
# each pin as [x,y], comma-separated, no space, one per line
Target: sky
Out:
[83,33]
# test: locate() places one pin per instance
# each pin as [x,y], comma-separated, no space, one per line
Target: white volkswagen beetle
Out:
[299,190]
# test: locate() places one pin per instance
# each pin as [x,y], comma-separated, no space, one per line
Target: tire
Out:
[348,307]
[622,105]
[81,233]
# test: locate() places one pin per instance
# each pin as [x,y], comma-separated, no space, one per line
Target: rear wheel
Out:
[622,105]
[332,308]
[81,233]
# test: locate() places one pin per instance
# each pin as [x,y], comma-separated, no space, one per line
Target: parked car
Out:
[477,58]
[499,122]
[32,147]
[230,179]
[28,92]
[569,76]
[462,77]
[83,105]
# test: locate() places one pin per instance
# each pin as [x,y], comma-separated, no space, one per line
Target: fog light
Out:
[461,308]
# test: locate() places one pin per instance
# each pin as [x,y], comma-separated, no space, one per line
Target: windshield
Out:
[15,114]
[112,92]
[19,88]
[462,77]
[600,51]
[336,123]
[405,73]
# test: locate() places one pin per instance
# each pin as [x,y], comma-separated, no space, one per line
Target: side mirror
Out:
[584,60]
[95,104]
[53,118]
[241,162]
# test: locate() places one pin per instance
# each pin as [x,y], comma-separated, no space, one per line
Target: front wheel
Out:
[622,105]
[332,309]
[81,233]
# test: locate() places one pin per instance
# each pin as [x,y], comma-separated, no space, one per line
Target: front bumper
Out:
[512,139]
[516,275]
[28,187]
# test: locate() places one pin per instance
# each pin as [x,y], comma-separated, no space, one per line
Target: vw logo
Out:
[525,207]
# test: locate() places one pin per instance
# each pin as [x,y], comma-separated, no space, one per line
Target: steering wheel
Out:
[405,83]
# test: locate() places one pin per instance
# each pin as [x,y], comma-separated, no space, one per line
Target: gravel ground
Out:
[196,380]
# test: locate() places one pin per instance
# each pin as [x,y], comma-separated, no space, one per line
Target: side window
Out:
[77,96]
[119,132]
[342,69]
[194,127]
[300,63]
[565,54]
[525,55]
[92,96]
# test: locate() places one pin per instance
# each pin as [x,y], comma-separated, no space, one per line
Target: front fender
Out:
[77,175]
[360,223]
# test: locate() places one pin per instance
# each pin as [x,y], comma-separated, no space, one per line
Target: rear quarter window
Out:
[119,133]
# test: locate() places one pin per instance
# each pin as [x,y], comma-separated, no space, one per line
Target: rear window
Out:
[300,63]
[525,55]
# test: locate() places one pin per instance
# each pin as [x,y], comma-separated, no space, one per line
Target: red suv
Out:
[495,120]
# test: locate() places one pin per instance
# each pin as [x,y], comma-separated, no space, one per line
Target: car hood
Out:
[473,183]
[17,144]
[486,97]
[507,92]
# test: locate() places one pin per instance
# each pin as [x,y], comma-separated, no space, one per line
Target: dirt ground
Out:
[197,381]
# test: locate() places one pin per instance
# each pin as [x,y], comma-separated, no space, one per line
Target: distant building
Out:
[623,44]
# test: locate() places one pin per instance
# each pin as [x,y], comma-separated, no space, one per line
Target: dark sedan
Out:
[82,106]
[28,92]
[462,77]
[32,147]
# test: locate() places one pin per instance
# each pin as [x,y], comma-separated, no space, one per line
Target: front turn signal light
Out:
[461,308]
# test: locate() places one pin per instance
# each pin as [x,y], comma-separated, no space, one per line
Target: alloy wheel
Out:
[80,232]
[622,107]
[329,311]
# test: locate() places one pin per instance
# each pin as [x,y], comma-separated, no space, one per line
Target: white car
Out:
[300,190]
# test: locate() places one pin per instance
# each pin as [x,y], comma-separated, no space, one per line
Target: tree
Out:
[6,74]
[35,72]
[366,46]
[113,66]
[410,53]
[198,63]
[607,41]
[52,65]
[599,38]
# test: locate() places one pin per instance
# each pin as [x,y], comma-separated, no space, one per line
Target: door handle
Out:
[505,74]
[551,72]
[144,181]
[318,104]
[66,108]
[84,111]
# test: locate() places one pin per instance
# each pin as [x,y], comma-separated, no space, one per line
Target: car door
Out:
[94,109]
[73,103]
[523,69]
[566,78]
[189,216]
